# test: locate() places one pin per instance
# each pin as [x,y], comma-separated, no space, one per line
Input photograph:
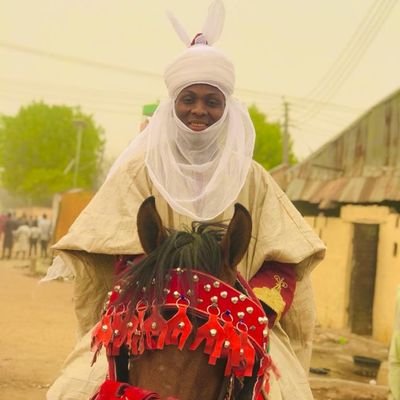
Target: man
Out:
[195,158]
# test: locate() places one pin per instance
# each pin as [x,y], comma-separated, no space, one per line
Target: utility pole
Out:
[79,125]
[285,134]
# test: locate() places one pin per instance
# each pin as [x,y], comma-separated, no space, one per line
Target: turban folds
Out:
[200,63]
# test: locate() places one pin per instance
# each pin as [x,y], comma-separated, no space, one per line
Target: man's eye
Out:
[187,100]
[213,103]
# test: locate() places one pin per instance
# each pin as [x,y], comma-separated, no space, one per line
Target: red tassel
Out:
[179,327]
[155,328]
[102,332]
[213,333]
[247,356]
[137,343]
[233,350]
[119,329]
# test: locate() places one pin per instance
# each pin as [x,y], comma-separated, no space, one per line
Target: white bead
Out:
[213,332]
[207,287]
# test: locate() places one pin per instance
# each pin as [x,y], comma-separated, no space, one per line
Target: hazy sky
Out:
[331,59]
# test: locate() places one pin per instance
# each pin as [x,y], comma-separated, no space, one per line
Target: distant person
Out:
[3,219]
[21,237]
[8,241]
[44,225]
[34,238]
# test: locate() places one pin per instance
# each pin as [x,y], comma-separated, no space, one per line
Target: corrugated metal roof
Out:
[360,165]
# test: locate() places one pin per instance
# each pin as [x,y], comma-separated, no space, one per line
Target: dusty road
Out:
[36,326]
[37,332]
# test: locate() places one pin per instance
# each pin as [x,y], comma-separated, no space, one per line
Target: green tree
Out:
[269,141]
[38,148]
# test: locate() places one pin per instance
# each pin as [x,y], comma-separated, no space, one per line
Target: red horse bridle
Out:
[236,328]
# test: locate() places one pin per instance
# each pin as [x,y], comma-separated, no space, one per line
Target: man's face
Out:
[199,106]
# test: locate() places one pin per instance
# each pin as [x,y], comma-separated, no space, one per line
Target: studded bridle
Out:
[235,327]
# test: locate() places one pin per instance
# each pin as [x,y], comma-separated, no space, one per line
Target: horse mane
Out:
[196,247]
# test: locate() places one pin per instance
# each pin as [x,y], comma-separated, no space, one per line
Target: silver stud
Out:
[263,320]
[213,332]
[179,271]
[104,328]
[177,294]
[265,332]
[200,300]
[153,325]
[195,278]
[144,289]
[216,284]
[189,292]
[224,295]
[166,291]
[181,325]
[214,299]
[207,287]
[241,352]
[116,332]
[129,324]
[137,332]
[227,343]
[109,294]
[117,288]
[250,310]
[240,314]
[242,297]
[234,300]
[153,281]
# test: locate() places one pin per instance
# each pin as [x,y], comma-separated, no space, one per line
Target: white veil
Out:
[198,174]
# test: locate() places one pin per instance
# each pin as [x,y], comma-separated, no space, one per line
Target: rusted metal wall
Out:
[361,165]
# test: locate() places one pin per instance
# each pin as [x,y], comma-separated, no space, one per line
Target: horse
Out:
[181,323]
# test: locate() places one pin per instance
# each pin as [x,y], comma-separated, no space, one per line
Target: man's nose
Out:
[199,108]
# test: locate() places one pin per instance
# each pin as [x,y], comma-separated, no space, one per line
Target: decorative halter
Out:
[236,326]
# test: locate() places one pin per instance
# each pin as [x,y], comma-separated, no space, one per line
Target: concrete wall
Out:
[387,278]
[331,279]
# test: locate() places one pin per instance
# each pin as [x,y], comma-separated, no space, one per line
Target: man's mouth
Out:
[197,125]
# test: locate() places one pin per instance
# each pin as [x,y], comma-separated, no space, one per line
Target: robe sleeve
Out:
[274,285]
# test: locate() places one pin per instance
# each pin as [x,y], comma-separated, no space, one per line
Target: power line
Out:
[90,91]
[75,97]
[77,60]
[85,106]
[351,54]
[297,99]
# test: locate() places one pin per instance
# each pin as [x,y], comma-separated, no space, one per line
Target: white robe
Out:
[107,227]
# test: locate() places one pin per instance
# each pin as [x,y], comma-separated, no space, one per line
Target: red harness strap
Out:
[113,390]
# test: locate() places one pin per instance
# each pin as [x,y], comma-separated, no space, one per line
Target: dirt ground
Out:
[37,332]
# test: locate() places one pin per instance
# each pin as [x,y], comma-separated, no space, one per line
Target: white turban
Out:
[200,63]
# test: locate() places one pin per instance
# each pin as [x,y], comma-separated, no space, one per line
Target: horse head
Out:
[186,328]
[233,245]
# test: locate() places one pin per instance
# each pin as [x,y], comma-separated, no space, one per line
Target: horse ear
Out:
[150,228]
[237,238]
